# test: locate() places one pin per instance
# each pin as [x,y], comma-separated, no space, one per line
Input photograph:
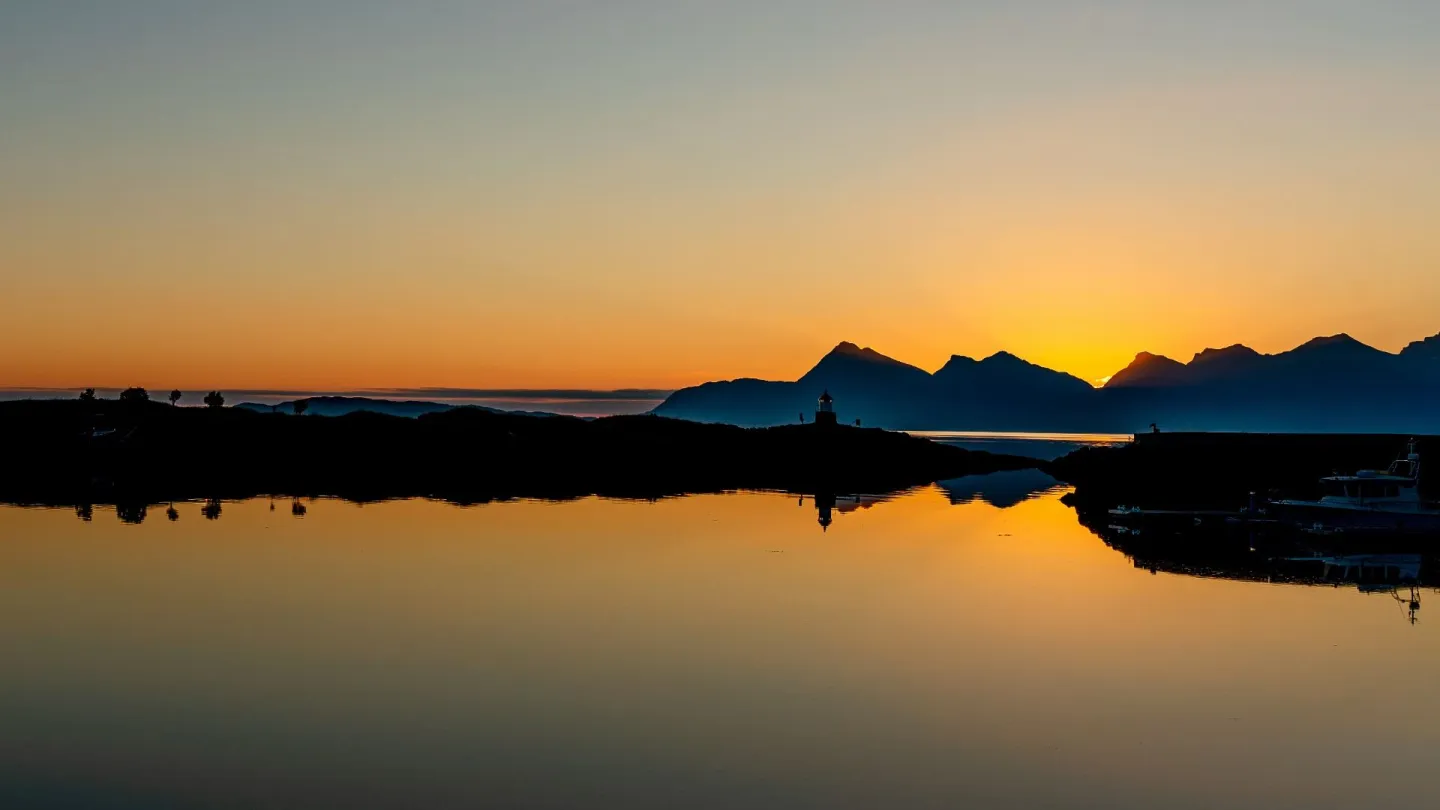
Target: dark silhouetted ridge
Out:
[1148,370]
[1332,383]
[1236,353]
[1427,349]
[1336,347]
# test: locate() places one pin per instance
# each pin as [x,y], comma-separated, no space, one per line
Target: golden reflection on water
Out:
[710,651]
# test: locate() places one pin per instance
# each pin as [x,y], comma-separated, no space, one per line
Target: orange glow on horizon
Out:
[527,206]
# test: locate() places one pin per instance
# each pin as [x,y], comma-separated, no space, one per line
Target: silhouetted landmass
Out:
[74,451]
[340,406]
[1334,384]
[1221,469]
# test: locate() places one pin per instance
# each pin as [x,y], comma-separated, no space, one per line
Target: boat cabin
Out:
[1356,487]
[1398,484]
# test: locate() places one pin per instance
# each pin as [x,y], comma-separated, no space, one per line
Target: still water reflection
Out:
[966,644]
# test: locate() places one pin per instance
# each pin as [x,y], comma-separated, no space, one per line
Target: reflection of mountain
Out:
[1331,383]
[1003,489]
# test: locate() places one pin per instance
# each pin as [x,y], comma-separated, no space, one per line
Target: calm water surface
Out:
[1046,446]
[964,645]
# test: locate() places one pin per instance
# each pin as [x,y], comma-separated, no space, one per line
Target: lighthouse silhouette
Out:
[825,411]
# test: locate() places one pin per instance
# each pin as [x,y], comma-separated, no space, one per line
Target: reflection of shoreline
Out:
[1280,557]
[1001,490]
[1392,569]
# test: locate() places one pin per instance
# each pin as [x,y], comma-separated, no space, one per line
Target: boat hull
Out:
[1306,514]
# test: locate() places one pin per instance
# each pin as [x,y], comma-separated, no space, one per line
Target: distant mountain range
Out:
[1331,383]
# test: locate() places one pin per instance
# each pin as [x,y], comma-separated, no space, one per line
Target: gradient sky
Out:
[345,193]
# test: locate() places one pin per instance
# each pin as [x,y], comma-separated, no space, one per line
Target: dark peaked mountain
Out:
[848,358]
[1003,369]
[1148,370]
[874,385]
[1211,364]
[1000,390]
[1341,349]
[1333,383]
[848,365]
[1324,360]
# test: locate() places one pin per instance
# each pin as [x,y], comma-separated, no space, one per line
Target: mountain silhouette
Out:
[1148,369]
[1004,369]
[1423,350]
[871,382]
[1000,390]
[1212,364]
[1332,383]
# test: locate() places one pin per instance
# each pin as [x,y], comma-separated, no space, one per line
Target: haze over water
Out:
[931,650]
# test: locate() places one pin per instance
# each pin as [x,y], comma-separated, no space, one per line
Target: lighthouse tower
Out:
[825,411]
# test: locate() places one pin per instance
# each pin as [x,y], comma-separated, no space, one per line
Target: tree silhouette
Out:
[175,397]
[300,406]
[214,399]
[88,395]
[132,513]
[136,394]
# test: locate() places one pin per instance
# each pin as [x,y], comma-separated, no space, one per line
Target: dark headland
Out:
[65,452]
[1221,470]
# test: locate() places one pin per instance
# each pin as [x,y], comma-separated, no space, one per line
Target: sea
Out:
[1043,446]
[963,644]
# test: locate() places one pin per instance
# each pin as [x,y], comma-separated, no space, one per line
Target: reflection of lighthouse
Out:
[825,505]
[825,411]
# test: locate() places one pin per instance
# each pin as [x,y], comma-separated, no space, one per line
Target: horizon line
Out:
[535,394]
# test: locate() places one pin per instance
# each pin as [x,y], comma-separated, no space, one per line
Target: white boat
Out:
[1369,500]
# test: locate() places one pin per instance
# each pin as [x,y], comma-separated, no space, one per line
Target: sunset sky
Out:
[331,194]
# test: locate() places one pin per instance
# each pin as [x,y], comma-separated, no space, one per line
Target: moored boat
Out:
[1385,501]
